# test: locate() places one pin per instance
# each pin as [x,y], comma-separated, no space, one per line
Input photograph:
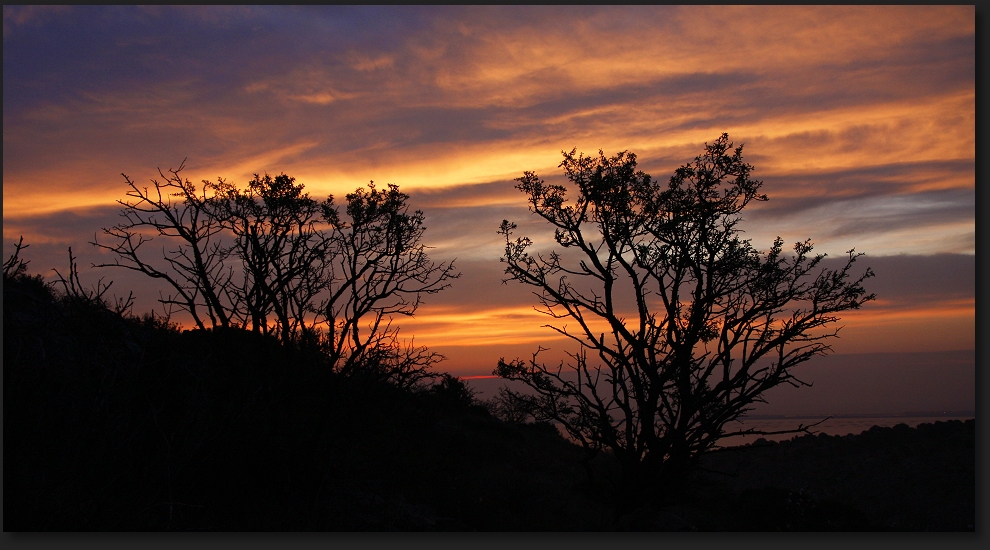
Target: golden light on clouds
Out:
[941,327]
[481,64]
[894,132]
[452,326]
[449,326]
[860,119]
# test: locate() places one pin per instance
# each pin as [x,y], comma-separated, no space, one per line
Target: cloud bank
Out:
[860,120]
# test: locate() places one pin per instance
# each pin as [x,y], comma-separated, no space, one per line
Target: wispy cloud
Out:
[860,119]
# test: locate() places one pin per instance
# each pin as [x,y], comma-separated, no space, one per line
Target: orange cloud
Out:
[481,63]
[883,311]
[477,326]
[860,118]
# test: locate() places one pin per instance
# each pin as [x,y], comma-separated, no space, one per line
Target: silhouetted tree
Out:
[282,252]
[507,407]
[14,265]
[379,270]
[689,323]
[197,267]
[269,258]
[74,291]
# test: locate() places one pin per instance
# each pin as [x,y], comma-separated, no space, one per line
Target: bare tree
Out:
[271,259]
[380,270]
[196,268]
[688,323]
[15,266]
[74,291]
[282,252]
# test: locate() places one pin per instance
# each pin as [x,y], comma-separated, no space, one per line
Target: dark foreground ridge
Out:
[114,423]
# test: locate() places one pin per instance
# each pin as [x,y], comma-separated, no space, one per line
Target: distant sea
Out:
[486,387]
[841,424]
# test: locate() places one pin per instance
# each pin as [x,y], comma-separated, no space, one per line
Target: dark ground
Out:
[117,424]
[888,479]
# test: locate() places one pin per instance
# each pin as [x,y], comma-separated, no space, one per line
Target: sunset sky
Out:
[860,121]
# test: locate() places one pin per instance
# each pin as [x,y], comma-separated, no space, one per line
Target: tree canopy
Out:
[271,259]
[681,324]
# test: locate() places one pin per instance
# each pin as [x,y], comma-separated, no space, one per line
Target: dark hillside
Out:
[114,423]
[899,478]
[125,424]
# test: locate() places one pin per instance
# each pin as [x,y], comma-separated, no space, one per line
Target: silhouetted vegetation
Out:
[293,405]
[270,259]
[686,323]
[123,423]
[116,422]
